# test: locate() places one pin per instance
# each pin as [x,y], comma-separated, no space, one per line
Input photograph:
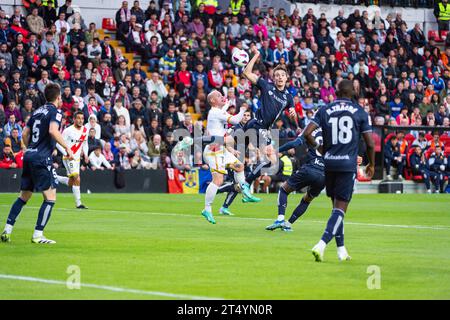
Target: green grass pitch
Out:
[157,246]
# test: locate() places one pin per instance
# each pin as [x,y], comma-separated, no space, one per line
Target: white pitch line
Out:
[109,288]
[438,227]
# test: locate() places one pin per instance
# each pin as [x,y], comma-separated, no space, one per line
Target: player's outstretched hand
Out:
[370,170]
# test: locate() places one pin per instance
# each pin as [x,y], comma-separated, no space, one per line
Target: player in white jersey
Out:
[76,138]
[219,157]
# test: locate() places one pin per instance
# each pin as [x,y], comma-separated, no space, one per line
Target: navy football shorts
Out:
[38,175]
[310,177]
[340,185]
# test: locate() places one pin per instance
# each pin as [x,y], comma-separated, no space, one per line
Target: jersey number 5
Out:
[341,129]
[35,131]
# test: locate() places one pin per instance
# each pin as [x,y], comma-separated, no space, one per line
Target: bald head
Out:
[216,99]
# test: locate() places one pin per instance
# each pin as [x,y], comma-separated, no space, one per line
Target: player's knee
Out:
[218,180]
[287,188]
[308,198]
[238,167]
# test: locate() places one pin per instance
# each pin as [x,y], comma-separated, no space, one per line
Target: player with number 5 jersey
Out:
[76,138]
[40,136]
[342,122]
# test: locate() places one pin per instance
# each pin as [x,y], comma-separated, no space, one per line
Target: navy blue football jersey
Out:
[342,123]
[273,103]
[41,144]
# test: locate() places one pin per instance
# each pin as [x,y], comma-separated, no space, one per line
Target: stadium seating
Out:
[434,34]
[410,138]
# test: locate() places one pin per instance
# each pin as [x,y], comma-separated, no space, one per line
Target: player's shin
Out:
[340,235]
[335,221]
[229,199]
[77,195]
[210,194]
[13,214]
[299,211]
[45,213]
[282,203]
[239,177]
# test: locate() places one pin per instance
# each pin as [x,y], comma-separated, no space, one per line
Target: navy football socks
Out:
[299,211]
[45,213]
[15,211]
[282,201]
[335,221]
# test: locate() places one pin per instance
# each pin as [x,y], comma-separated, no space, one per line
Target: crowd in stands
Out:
[400,77]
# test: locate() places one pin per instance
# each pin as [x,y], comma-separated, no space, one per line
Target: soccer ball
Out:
[240,58]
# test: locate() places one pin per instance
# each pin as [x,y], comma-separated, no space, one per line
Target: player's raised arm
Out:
[370,168]
[292,144]
[307,133]
[248,71]
[237,117]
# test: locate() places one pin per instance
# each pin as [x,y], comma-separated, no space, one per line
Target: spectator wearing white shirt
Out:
[62,23]
[156,84]
[92,123]
[333,29]
[98,161]
[122,111]
[94,51]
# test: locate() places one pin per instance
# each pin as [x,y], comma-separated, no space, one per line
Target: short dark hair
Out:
[345,89]
[78,113]
[51,92]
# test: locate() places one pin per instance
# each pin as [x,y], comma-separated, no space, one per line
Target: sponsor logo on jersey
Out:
[329,156]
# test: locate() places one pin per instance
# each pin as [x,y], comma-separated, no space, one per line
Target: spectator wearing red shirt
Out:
[341,53]
[278,37]
[373,68]
[7,160]
[183,77]
[215,76]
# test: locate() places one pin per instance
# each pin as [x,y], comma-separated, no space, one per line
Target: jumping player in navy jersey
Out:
[342,122]
[40,136]
[310,175]
[275,98]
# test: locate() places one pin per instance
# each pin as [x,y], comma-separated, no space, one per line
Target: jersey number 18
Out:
[341,129]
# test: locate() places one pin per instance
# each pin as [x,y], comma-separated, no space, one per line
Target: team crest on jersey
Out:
[270,93]
[284,96]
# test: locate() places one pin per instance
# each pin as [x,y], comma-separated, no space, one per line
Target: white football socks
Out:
[8,228]
[37,234]
[77,194]
[240,178]
[211,192]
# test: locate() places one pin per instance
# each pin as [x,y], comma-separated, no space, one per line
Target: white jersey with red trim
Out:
[76,140]
[219,119]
